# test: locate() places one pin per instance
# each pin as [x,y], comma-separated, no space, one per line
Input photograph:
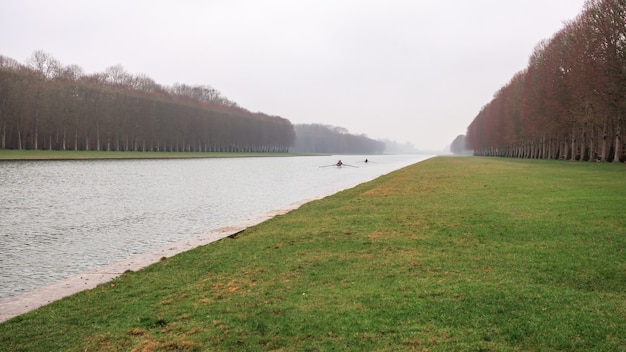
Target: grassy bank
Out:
[470,254]
[73,155]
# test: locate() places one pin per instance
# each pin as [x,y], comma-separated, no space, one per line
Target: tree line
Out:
[45,105]
[569,102]
[317,138]
[457,147]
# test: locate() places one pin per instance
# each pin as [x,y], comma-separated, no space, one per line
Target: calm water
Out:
[61,218]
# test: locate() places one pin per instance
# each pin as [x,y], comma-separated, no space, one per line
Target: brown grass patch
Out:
[382,191]
[375,235]
[137,332]
[230,287]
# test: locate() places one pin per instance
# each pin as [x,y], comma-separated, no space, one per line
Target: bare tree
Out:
[117,75]
[45,64]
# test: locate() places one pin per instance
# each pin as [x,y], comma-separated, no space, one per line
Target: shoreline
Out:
[25,302]
[74,155]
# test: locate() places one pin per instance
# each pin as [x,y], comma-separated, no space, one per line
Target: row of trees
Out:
[316,138]
[457,147]
[46,105]
[570,101]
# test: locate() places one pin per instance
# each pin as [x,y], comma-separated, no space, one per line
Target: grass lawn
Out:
[71,154]
[451,254]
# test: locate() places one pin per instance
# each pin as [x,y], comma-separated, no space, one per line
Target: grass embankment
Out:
[449,254]
[77,155]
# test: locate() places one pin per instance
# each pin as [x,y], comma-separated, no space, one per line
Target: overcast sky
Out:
[412,71]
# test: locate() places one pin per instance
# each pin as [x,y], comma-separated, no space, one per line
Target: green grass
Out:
[451,254]
[70,154]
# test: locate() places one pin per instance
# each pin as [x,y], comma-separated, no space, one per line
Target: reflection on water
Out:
[61,218]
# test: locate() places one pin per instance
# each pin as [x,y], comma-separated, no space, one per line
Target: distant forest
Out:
[45,105]
[457,147]
[317,138]
[570,102]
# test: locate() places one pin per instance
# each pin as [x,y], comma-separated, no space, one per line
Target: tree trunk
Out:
[582,144]
[19,139]
[573,147]
[605,135]
[97,138]
[618,139]
[565,150]
[4,135]
[592,144]
[35,138]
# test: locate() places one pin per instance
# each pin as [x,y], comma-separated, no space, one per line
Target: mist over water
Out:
[61,218]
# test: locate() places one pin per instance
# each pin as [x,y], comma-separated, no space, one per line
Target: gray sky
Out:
[412,71]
